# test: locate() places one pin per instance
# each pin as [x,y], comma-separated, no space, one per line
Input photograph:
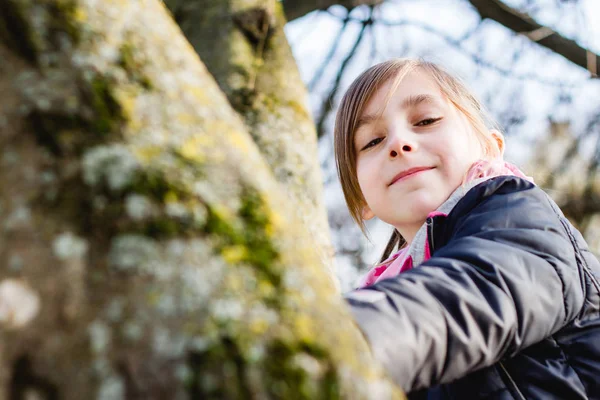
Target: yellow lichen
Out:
[265,289]
[147,153]
[193,148]
[234,254]
[258,327]
[199,93]
[127,101]
[79,15]
[170,197]
[303,327]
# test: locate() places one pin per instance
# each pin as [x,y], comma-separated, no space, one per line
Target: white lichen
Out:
[19,304]
[199,343]
[114,310]
[256,353]
[15,262]
[176,209]
[132,252]
[166,305]
[101,367]
[183,373]
[114,165]
[100,336]
[176,248]
[132,331]
[227,309]
[111,388]
[47,177]
[10,157]
[309,364]
[18,219]
[68,246]
[99,203]
[260,313]
[199,215]
[138,207]
[166,344]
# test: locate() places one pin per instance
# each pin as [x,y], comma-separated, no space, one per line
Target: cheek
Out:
[362,176]
[366,178]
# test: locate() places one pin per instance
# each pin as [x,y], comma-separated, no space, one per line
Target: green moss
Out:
[219,372]
[252,235]
[154,185]
[107,111]
[131,63]
[65,18]
[222,371]
[16,32]
[16,29]
[254,214]
[52,131]
[290,381]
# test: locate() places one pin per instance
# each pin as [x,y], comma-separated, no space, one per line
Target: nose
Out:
[399,145]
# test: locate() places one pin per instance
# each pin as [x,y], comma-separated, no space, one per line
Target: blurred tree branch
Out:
[523,24]
[298,8]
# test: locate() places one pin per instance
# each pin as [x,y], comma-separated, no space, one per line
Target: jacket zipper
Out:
[511,381]
[430,234]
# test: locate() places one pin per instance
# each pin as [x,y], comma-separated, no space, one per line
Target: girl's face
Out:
[412,151]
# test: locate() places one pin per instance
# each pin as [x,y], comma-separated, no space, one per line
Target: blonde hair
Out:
[358,96]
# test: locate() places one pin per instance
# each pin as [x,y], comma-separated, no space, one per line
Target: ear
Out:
[367,213]
[499,138]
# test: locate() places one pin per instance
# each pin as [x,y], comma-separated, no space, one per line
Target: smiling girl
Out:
[485,290]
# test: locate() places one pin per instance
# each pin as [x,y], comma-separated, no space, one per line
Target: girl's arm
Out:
[506,278]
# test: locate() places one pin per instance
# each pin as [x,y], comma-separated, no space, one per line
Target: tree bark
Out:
[243,45]
[148,250]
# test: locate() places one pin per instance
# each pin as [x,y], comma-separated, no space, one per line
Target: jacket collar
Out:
[419,246]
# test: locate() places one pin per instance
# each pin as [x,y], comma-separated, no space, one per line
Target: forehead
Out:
[415,88]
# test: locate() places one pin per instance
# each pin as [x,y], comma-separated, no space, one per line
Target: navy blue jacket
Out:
[507,307]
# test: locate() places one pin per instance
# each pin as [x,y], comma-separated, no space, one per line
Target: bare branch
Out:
[523,24]
[317,76]
[298,8]
[475,56]
[328,103]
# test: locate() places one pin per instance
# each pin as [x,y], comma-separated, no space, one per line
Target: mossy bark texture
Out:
[147,249]
[243,45]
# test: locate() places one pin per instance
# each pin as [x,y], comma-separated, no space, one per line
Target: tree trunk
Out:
[148,250]
[243,45]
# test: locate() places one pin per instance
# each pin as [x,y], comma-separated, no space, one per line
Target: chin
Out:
[425,203]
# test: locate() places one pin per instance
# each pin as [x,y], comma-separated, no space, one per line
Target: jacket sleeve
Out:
[506,278]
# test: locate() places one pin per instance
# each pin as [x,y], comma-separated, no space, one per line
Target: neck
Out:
[408,232]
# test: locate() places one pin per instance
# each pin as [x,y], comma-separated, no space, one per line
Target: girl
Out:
[492,293]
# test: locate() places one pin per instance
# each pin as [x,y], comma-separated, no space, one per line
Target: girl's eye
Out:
[372,143]
[427,121]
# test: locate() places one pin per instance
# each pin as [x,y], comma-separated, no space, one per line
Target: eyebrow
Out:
[410,101]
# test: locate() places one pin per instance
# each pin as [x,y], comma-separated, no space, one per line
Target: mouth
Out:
[409,173]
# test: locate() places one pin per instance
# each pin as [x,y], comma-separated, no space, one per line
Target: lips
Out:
[407,173]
